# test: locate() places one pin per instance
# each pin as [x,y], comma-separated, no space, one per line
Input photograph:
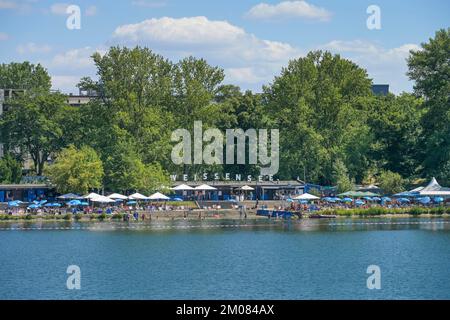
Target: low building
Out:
[263,190]
[24,192]
[380,89]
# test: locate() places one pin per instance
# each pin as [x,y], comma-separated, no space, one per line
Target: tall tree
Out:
[430,69]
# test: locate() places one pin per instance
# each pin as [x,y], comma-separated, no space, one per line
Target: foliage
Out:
[76,170]
[391,182]
[10,170]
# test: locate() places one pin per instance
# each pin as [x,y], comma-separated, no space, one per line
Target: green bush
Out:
[68,216]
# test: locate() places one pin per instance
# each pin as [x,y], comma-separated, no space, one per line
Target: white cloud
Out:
[65,83]
[33,48]
[289,9]
[3,36]
[59,8]
[384,65]
[149,4]
[75,59]
[246,58]
[91,11]
[22,6]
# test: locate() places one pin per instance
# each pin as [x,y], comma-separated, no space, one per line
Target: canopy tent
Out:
[182,187]
[69,196]
[117,196]
[158,196]
[357,194]
[205,187]
[138,196]
[433,189]
[246,188]
[306,196]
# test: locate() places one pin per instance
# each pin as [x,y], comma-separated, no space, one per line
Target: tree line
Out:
[333,129]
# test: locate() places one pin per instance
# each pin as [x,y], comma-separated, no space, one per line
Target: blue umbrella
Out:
[303,201]
[177,199]
[386,199]
[131,202]
[359,202]
[85,204]
[403,200]
[231,200]
[425,200]
[438,199]
[337,199]
[74,203]
[347,200]
[376,199]
[13,204]
[368,198]
[34,206]
[54,205]
[289,200]
[42,202]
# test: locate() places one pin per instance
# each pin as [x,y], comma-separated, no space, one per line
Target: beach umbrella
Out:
[177,199]
[347,200]
[131,202]
[376,199]
[303,201]
[138,196]
[246,188]
[403,200]
[328,199]
[91,196]
[386,199]
[425,200]
[368,198]
[158,196]
[13,204]
[102,199]
[69,196]
[438,199]
[306,196]
[84,204]
[205,187]
[42,202]
[289,200]
[74,203]
[34,206]
[52,205]
[359,202]
[182,187]
[117,196]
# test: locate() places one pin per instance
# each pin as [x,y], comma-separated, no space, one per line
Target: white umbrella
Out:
[246,188]
[138,196]
[182,187]
[158,196]
[205,187]
[92,196]
[306,196]
[102,199]
[117,196]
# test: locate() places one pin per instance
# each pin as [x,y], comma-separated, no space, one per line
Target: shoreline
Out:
[204,215]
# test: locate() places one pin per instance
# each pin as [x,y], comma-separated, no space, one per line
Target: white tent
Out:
[246,188]
[138,196]
[116,196]
[306,196]
[182,187]
[433,189]
[205,187]
[158,196]
[102,199]
[92,195]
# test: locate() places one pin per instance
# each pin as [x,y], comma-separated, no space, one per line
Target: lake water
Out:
[311,259]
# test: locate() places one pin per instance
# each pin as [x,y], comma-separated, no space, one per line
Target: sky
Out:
[252,40]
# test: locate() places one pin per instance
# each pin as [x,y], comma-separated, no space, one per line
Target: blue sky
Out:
[252,40]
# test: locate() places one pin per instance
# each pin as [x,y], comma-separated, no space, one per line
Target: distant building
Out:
[380,89]
[84,97]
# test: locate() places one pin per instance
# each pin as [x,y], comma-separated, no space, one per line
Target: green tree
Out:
[391,182]
[341,178]
[10,170]
[430,69]
[34,126]
[76,170]
[24,76]
[315,103]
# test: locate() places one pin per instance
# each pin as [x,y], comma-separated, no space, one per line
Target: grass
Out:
[380,211]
